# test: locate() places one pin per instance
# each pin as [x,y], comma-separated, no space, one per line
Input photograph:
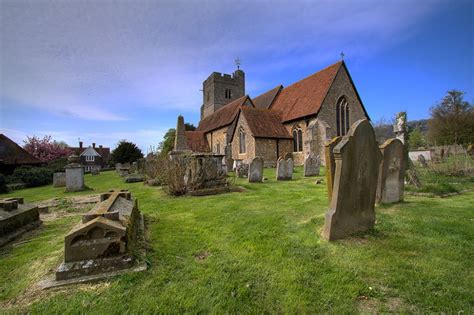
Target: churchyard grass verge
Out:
[256,251]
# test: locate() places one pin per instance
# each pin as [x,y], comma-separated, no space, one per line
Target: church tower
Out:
[219,90]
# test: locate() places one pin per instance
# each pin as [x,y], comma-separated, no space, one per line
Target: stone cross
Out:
[391,182]
[180,143]
[357,158]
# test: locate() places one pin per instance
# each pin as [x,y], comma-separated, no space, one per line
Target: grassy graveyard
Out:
[257,251]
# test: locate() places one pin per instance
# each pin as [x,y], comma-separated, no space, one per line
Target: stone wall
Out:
[249,142]
[271,149]
[217,138]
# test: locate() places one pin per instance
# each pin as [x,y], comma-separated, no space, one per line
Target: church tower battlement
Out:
[219,90]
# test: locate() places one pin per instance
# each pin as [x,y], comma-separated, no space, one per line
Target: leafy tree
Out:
[126,152]
[46,149]
[416,139]
[167,144]
[452,120]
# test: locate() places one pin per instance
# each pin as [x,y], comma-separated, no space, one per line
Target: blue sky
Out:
[103,71]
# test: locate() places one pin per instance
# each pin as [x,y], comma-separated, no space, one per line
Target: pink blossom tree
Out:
[46,149]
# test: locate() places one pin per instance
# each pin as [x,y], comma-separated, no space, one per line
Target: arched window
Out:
[297,140]
[241,141]
[342,117]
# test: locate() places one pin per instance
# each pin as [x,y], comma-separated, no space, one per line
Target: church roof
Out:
[265,123]
[223,116]
[196,141]
[12,154]
[266,99]
[305,97]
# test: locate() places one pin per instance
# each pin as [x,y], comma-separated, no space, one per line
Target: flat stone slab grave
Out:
[16,218]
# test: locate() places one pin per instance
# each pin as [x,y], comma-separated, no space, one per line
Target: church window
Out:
[242,141]
[228,93]
[297,140]
[342,117]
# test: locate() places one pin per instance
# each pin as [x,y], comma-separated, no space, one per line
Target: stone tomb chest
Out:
[104,239]
[16,217]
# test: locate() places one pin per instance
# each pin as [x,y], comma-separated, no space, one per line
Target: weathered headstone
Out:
[103,240]
[180,143]
[391,182]
[242,170]
[284,169]
[95,171]
[330,163]
[311,165]
[255,174]
[74,174]
[422,161]
[59,179]
[400,126]
[357,159]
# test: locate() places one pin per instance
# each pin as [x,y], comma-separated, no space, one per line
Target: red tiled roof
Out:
[196,141]
[265,123]
[266,99]
[305,97]
[222,117]
[12,154]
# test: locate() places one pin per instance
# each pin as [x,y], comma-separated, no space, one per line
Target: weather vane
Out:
[238,61]
[342,55]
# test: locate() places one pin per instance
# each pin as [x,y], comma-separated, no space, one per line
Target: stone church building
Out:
[296,120]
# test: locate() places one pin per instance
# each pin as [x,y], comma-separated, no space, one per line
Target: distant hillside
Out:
[385,131]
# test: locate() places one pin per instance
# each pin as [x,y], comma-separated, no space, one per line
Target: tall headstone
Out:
[391,182]
[400,126]
[242,170]
[421,159]
[180,143]
[255,174]
[352,204]
[284,170]
[330,163]
[311,165]
[74,174]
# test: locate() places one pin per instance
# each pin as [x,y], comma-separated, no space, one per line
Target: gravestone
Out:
[95,171]
[74,174]
[16,218]
[284,169]
[180,143]
[59,179]
[330,163]
[357,158]
[421,159]
[391,182]
[255,173]
[312,165]
[104,239]
[400,126]
[242,170]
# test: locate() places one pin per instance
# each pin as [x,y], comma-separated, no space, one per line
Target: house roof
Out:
[266,99]
[223,116]
[265,123]
[102,151]
[196,141]
[90,152]
[305,97]
[12,154]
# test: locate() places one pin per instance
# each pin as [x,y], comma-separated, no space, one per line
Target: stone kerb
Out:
[255,172]
[357,158]
[391,181]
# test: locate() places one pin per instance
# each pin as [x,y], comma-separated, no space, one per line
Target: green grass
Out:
[260,251]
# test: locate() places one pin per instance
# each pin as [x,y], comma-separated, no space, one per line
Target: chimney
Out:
[100,146]
[80,144]
[93,145]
